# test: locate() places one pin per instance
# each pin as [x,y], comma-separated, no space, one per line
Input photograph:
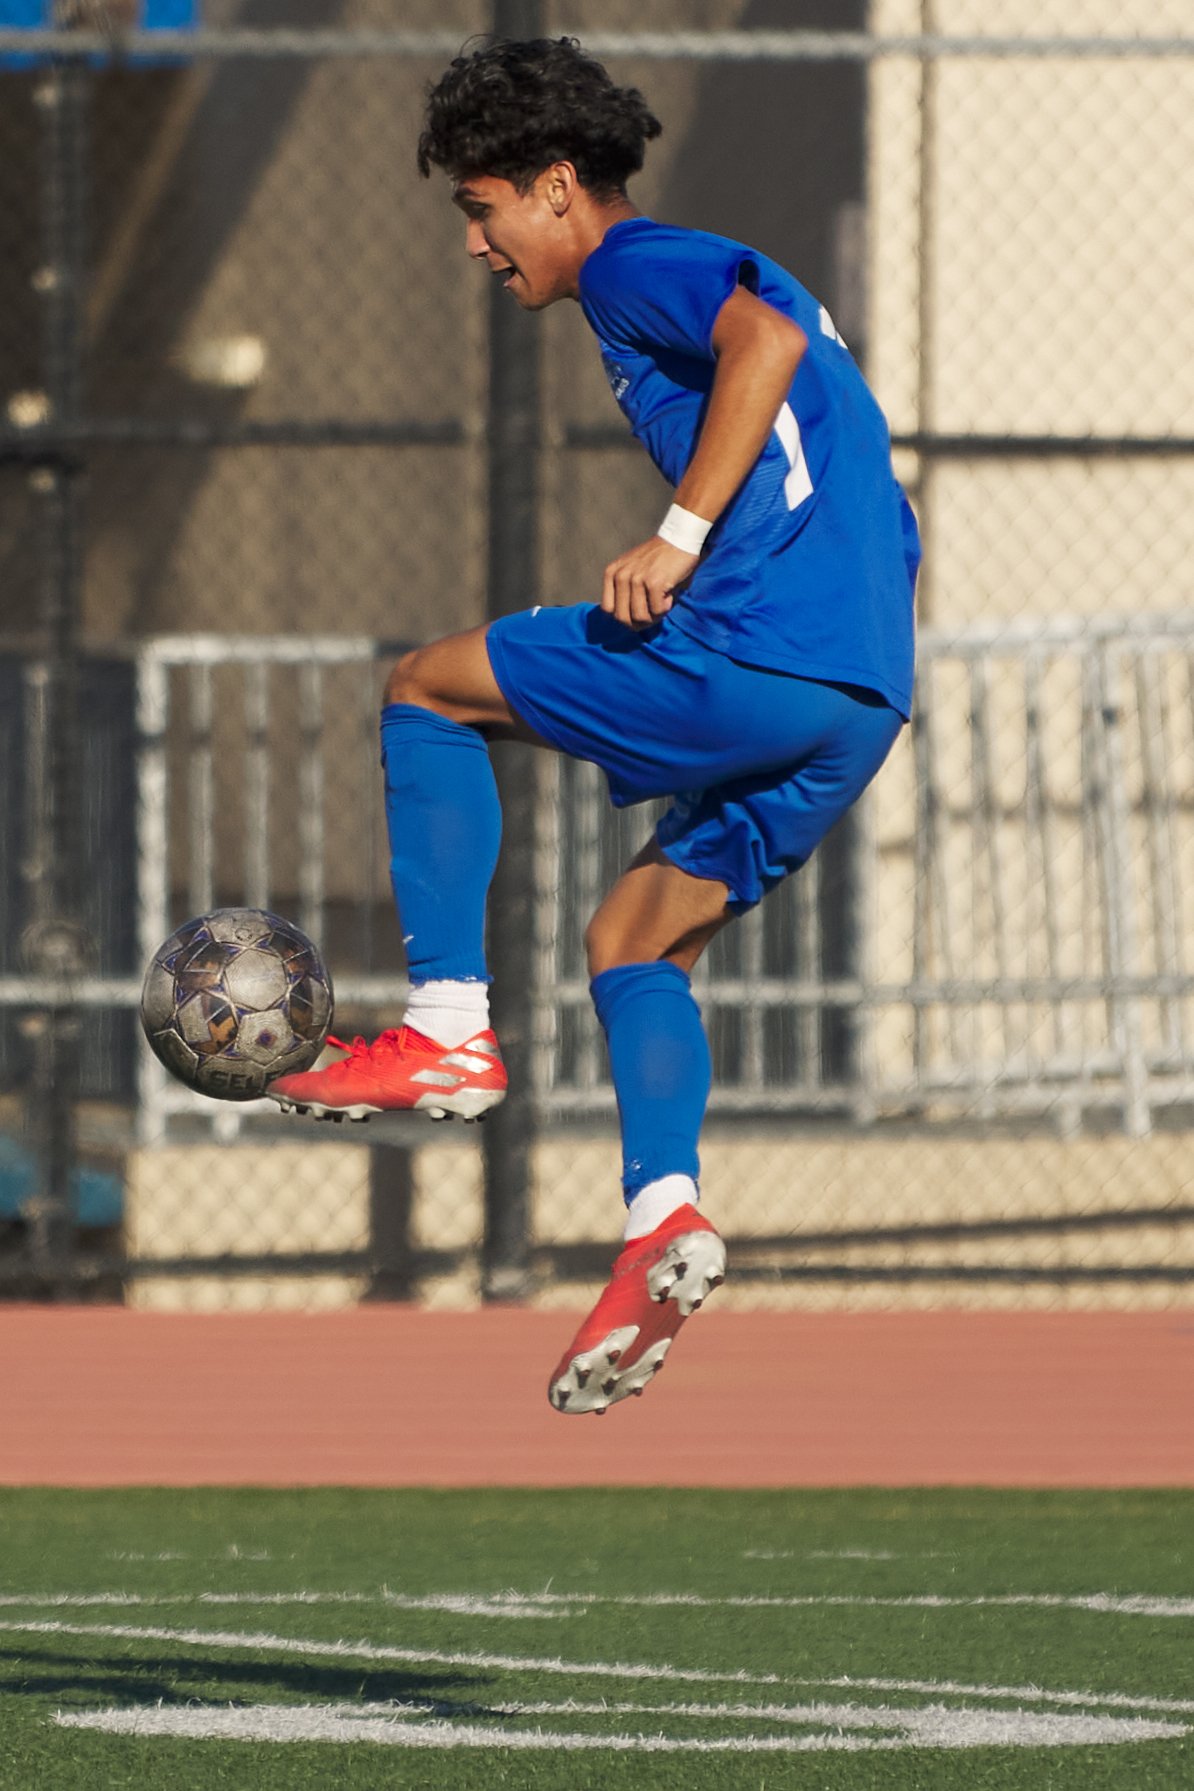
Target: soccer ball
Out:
[235,998]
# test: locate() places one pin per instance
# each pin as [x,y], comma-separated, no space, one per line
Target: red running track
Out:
[393,1396]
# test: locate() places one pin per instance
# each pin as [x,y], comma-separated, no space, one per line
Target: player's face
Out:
[520,237]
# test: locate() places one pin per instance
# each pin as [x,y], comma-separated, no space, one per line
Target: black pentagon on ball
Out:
[201,965]
[306,1017]
[293,947]
[207,1021]
[190,934]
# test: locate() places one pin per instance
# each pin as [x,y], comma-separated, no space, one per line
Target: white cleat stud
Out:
[590,1382]
[689,1269]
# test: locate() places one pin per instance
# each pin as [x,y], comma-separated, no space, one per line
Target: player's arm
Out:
[758,351]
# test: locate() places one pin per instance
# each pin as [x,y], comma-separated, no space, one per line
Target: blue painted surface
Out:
[170,15]
[152,15]
[97,1196]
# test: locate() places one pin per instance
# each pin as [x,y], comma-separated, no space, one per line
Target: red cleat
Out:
[401,1070]
[657,1282]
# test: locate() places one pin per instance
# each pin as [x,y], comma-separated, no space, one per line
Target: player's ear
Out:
[559,186]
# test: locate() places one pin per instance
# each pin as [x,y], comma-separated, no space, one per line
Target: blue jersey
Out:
[811,567]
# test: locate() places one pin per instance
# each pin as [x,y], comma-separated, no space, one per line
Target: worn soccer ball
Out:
[235,998]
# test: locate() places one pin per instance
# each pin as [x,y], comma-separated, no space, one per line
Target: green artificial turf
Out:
[490,1602]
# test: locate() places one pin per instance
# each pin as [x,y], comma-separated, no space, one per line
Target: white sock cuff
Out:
[448,1012]
[459,993]
[657,1202]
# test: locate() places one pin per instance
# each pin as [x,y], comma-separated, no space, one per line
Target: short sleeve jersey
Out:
[811,567]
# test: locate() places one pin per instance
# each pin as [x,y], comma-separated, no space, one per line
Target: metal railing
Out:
[1017,937]
[798,45]
[1021,941]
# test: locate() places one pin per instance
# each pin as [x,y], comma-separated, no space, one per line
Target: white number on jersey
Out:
[798,485]
[830,329]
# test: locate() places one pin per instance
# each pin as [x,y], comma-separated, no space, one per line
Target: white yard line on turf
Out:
[1103,1603]
[507,1605]
[131,1554]
[850,1554]
[1027,1694]
[563,1604]
[390,1725]
[661,1673]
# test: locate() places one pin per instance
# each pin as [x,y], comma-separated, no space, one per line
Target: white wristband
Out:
[683,529]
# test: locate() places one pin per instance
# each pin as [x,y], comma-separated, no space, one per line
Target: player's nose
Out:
[474,239]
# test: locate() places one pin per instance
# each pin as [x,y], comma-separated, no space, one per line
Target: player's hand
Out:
[639,587]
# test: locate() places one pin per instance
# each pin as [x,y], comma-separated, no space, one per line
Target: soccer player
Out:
[752,660]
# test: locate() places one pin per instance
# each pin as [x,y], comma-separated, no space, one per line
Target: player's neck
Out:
[606,216]
[594,220]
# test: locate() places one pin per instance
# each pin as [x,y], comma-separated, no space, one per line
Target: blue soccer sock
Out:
[445,826]
[659,1057]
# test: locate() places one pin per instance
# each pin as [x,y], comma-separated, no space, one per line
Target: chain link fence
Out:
[260,426]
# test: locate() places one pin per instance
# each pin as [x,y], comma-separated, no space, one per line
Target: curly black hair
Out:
[513,108]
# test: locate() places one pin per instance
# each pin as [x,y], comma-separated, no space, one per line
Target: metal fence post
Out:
[513,478]
[54,944]
[391,1206]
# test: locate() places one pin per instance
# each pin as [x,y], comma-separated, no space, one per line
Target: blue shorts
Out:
[759,763]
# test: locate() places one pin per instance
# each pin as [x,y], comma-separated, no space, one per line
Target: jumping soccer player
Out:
[752,660]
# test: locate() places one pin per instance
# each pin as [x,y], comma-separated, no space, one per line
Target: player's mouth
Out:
[506,273]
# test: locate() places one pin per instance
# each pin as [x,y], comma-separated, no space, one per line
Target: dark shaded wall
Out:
[775,155]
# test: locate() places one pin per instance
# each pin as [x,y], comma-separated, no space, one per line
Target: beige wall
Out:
[1041,281]
[1031,271]
[245,1200]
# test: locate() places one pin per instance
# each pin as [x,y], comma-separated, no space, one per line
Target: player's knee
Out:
[608,944]
[405,684]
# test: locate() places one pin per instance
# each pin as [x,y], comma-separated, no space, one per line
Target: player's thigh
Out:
[646,707]
[454,677]
[654,911]
[753,832]
[655,710]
